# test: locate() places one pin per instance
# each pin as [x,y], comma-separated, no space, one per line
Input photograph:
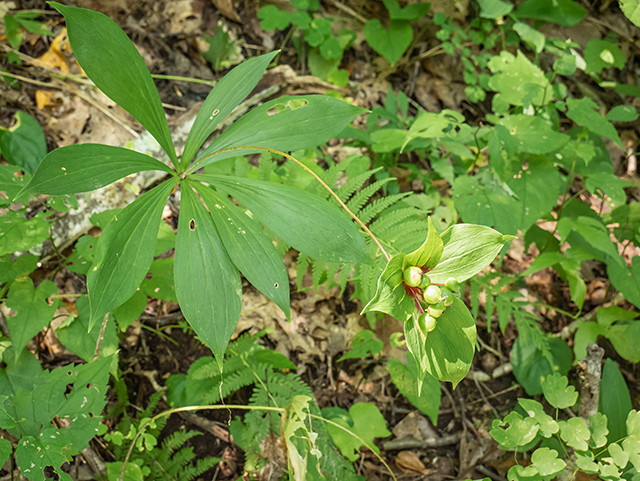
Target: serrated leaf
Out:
[367,423]
[429,253]
[557,392]
[119,71]
[285,124]
[11,269]
[11,183]
[467,250]
[250,250]
[546,461]
[85,167]
[575,433]
[364,345]
[514,431]
[390,296]
[18,233]
[33,313]
[125,252]
[225,96]
[548,426]
[582,112]
[405,379]
[208,285]
[304,221]
[5,450]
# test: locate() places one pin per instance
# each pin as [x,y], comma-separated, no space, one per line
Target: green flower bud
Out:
[435,312]
[447,297]
[426,282]
[413,276]
[426,323]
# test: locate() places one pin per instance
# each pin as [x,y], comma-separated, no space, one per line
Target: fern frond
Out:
[362,197]
[202,465]
[318,271]
[348,189]
[377,206]
[301,267]
[387,221]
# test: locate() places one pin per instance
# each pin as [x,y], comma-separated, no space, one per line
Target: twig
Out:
[411,443]
[348,10]
[589,374]
[101,336]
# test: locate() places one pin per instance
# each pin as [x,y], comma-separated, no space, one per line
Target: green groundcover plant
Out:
[216,240]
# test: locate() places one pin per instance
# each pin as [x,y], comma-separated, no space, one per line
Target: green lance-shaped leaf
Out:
[125,252]
[110,59]
[85,167]
[225,96]
[416,340]
[468,249]
[208,285]
[303,220]
[450,346]
[285,124]
[429,253]
[390,296]
[250,250]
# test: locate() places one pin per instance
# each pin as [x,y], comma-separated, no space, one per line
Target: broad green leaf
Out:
[587,333]
[125,252]
[250,250]
[584,460]
[429,125]
[575,433]
[111,60]
[615,401]
[364,345]
[557,392]
[518,80]
[366,422]
[467,250]
[416,342]
[303,220]
[592,230]
[601,54]
[429,253]
[533,134]
[390,296]
[18,233]
[548,426]
[582,112]
[622,113]
[130,310]
[285,124]
[207,283]
[225,96]
[132,472]
[514,431]
[623,279]
[531,366]
[23,144]
[546,461]
[563,12]
[620,457]
[77,337]
[450,346]
[522,473]
[6,449]
[391,43]
[405,379]
[494,8]
[631,9]
[530,35]
[33,313]
[11,269]
[159,283]
[624,337]
[86,167]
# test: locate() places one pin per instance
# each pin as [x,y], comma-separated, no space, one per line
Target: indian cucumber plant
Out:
[217,240]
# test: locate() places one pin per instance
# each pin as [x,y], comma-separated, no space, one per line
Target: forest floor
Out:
[170,36]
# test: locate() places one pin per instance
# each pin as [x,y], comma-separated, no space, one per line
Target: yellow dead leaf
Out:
[43,98]
[408,462]
[58,53]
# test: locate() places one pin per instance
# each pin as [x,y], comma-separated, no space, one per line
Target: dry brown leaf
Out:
[415,426]
[226,9]
[408,462]
[185,15]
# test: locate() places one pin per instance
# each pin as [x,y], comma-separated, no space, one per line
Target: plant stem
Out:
[273,151]
[101,336]
[211,83]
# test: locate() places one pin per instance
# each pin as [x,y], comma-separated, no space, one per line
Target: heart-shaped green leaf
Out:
[304,221]
[125,252]
[391,43]
[250,250]
[207,283]
[85,167]
[119,70]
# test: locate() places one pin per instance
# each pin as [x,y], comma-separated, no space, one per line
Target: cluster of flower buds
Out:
[435,299]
